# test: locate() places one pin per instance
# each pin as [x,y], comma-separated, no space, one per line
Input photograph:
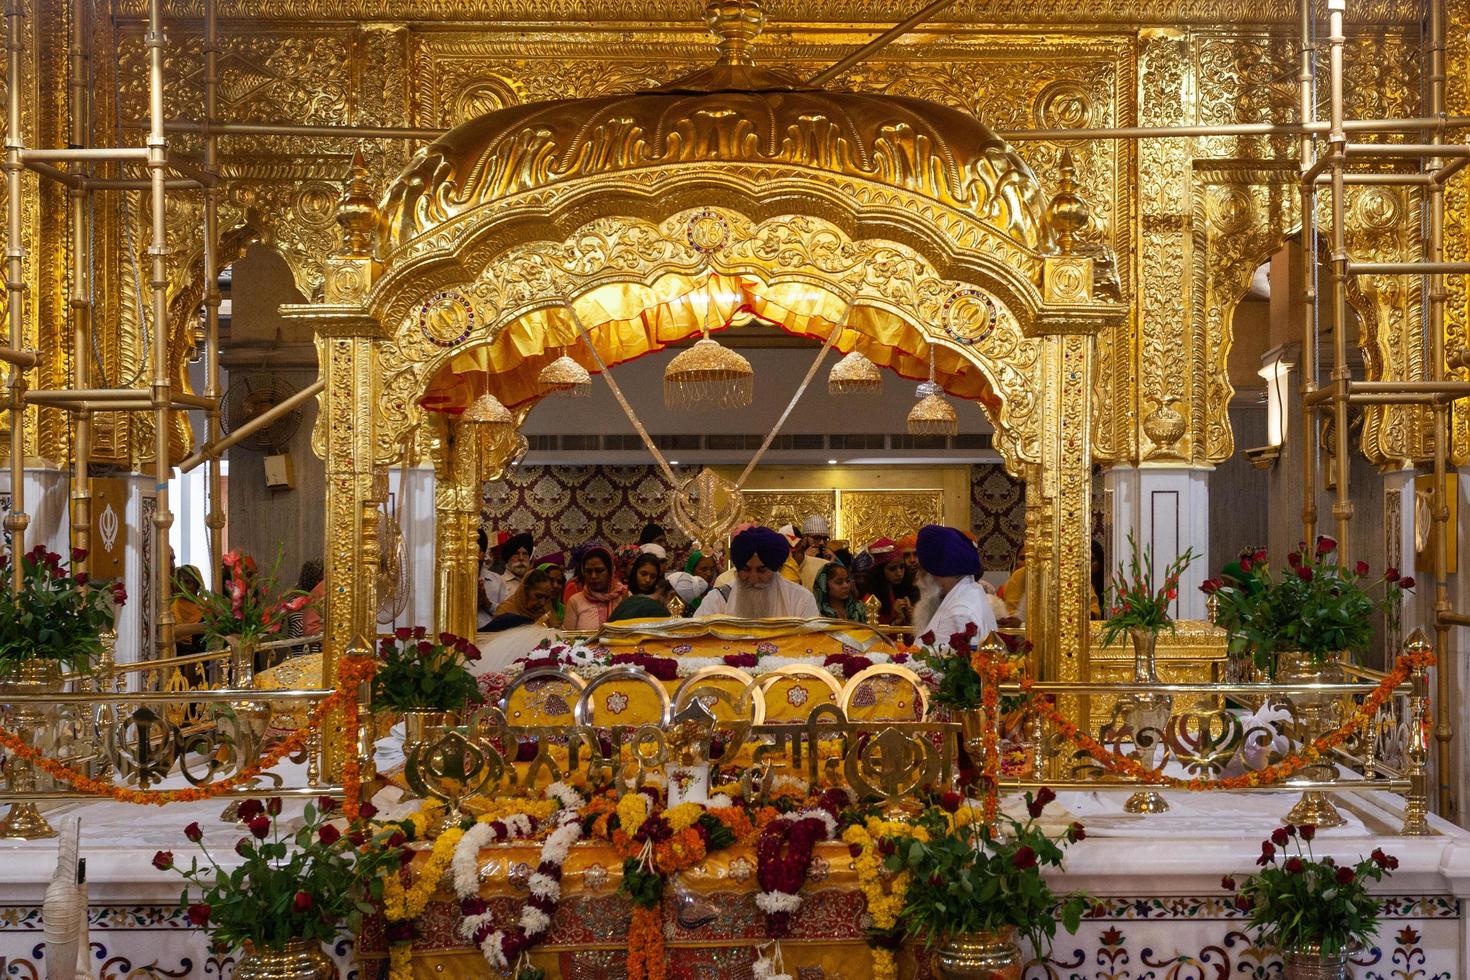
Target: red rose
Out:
[368,811]
[1268,854]
[273,806]
[1304,573]
[193,832]
[403,633]
[1076,832]
[1043,796]
[81,578]
[1245,565]
[399,932]
[329,835]
[397,839]
[1307,830]
[1293,866]
[1325,545]
[1210,586]
[425,648]
[1280,836]
[199,915]
[1390,574]
[1385,861]
[885,846]
[950,802]
[260,826]
[1361,568]
[1294,559]
[242,847]
[1259,556]
[302,902]
[1227,883]
[326,804]
[1345,876]
[936,880]
[448,639]
[79,554]
[163,860]
[1024,858]
[854,850]
[250,809]
[1407,583]
[419,632]
[1243,903]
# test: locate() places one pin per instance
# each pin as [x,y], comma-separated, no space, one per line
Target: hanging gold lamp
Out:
[708,375]
[933,415]
[855,375]
[566,378]
[488,411]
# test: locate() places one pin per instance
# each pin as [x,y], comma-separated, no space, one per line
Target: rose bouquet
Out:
[1298,901]
[251,606]
[420,674]
[305,885]
[57,615]
[1317,605]
[970,880]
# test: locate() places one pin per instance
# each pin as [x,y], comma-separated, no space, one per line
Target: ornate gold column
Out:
[456,519]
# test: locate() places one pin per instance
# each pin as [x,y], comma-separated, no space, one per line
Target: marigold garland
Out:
[1267,776]
[290,745]
[404,905]
[646,944]
[884,893]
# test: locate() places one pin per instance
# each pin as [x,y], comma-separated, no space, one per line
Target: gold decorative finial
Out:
[357,209]
[1067,214]
[735,24]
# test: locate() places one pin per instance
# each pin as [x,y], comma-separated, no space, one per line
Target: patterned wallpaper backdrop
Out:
[564,506]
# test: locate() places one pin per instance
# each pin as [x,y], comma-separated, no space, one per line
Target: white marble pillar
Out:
[413,503]
[1166,508]
[47,492]
[136,622]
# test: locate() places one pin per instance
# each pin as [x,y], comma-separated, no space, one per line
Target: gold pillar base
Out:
[25,822]
[1316,809]
[1146,801]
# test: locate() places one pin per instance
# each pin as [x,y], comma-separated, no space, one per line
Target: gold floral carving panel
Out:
[773,508]
[867,515]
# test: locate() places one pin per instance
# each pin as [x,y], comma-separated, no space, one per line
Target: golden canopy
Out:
[733,114]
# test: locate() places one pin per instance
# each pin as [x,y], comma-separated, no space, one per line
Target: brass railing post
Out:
[1416,801]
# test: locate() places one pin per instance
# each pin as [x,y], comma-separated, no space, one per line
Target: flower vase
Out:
[30,722]
[1147,715]
[242,661]
[1314,715]
[297,960]
[978,956]
[1308,962]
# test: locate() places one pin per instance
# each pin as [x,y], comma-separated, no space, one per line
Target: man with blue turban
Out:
[951,599]
[759,591]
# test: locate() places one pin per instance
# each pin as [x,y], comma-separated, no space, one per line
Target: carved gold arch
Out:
[650,286]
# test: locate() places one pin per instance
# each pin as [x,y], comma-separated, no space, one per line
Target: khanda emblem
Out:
[706,507]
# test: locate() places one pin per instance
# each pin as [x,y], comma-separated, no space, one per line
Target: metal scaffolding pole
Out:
[1342,505]
[17,519]
[1306,72]
[215,517]
[162,386]
[79,200]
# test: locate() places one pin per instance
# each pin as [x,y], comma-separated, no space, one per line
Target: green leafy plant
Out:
[1297,900]
[57,615]
[1316,605]
[420,674]
[303,885]
[1133,602]
[957,685]
[967,880]
[251,606]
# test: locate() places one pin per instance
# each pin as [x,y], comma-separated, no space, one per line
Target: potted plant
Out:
[424,680]
[52,624]
[978,889]
[246,612]
[1308,616]
[1314,910]
[291,892]
[1139,608]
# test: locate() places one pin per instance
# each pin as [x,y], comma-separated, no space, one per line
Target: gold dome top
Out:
[731,116]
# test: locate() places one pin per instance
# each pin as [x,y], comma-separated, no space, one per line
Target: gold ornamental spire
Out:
[735,24]
[357,209]
[1067,213]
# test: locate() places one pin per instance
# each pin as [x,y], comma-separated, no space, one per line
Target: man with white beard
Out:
[950,597]
[759,592]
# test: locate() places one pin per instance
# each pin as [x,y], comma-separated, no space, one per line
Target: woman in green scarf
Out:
[559,580]
[834,592]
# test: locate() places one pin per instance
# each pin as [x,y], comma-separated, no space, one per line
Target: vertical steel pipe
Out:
[215,517]
[79,200]
[17,519]
[162,388]
[1342,506]
[1307,109]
